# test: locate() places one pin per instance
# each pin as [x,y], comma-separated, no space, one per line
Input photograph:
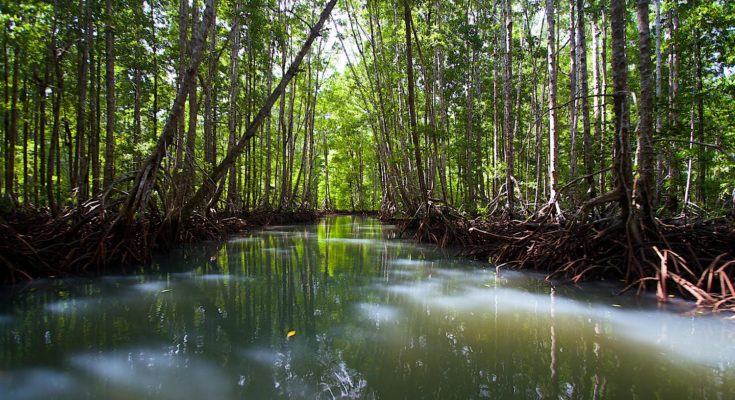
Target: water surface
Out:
[374,317]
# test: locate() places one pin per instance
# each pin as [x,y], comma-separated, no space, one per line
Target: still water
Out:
[374,317]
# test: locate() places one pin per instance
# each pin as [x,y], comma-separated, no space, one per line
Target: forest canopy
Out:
[487,106]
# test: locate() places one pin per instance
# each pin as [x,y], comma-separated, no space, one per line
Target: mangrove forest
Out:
[336,198]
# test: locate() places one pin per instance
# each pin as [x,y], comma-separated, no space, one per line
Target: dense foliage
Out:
[87,86]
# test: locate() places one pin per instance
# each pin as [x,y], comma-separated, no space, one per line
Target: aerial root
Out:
[693,260]
[87,240]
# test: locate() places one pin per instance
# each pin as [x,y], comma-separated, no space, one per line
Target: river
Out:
[345,309]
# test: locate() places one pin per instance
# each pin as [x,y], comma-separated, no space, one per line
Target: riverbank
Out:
[35,244]
[692,259]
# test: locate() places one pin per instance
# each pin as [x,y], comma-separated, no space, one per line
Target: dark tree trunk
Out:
[643,188]
[94,133]
[79,175]
[621,158]
[109,172]
[12,132]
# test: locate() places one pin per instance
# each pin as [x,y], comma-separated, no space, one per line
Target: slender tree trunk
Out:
[232,194]
[268,133]
[692,127]
[94,133]
[701,154]
[597,99]
[508,109]
[5,109]
[154,47]
[469,153]
[673,118]
[109,172]
[553,122]
[603,98]
[657,109]
[139,194]
[137,100]
[583,94]
[41,170]
[209,100]
[189,173]
[79,175]
[574,101]
[208,186]
[54,154]
[26,114]
[411,104]
[12,132]
[183,53]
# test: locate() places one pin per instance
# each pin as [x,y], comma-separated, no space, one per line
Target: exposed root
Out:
[694,260]
[86,240]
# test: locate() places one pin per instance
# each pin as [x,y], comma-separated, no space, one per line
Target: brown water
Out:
[374,317]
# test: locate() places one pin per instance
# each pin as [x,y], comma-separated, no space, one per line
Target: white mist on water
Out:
[706,340]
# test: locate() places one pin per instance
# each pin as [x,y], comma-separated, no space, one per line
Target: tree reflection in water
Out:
[373,318]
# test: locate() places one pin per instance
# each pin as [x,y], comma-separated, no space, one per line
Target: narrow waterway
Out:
[343,309]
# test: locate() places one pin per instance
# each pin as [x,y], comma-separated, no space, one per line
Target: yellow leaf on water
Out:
[290,333]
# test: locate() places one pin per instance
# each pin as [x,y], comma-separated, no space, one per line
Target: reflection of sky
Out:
[709,341]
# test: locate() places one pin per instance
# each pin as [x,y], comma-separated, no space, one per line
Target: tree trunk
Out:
[54,154]
[79,174]
[232,195]
[643,189]
[268,133]
[621,159]
[583,93]
[209,185]
[41,170]
[109,173]
[137,99]
[183,53]
[189,173]
[657,109]
[411,104]
[154,47]
[574,93]
[673,118]
[139,194]
[603,98]
[94,133]
[553,123]
[597,97]
[210,143]
[508,109]
[701,154]
[12,132]
[26,113]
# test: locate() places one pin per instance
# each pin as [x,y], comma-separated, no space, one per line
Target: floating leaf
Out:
[290,334]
